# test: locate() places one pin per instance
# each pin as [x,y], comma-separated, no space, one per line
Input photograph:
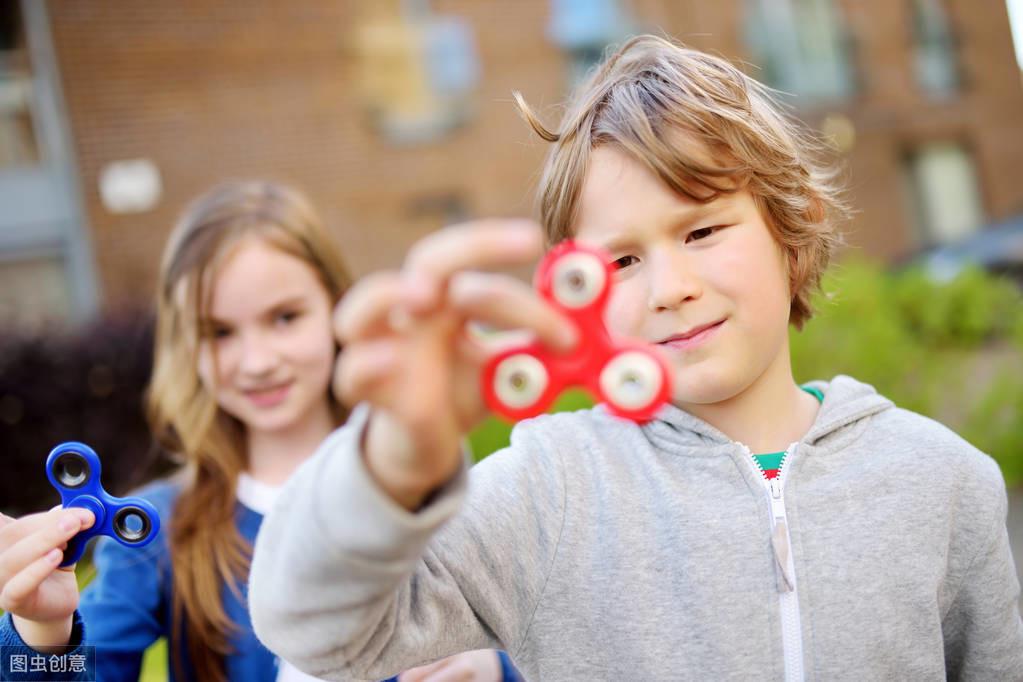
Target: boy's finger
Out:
[481,245]
[21,586]
[507,303]
[363,312]
[361,367]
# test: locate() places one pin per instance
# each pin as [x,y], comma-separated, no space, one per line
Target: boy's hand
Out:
[40,596]
[408,352]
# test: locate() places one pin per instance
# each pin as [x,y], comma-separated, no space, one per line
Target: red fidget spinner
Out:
[523,381]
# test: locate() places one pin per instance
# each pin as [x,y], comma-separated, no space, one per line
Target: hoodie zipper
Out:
[791,628]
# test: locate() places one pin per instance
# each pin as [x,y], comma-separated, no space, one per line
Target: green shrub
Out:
[950,350]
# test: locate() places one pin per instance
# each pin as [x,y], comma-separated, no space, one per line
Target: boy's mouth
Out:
[691,336]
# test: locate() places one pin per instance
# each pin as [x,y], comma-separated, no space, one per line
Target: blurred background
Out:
[396,117]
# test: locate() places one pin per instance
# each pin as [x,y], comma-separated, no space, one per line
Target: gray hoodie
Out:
[594,548]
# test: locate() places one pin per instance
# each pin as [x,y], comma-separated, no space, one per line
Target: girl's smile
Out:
[268,397]
[268,352]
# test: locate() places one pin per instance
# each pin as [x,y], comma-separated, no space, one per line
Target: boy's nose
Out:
[673,280]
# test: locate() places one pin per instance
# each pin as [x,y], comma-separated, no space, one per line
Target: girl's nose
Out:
[258,356]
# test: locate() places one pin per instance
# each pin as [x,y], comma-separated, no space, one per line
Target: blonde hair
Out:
[207,551]
[652,95]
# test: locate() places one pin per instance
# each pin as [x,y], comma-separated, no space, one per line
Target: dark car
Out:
[997,248]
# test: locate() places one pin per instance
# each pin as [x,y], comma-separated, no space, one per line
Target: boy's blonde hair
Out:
[650,98]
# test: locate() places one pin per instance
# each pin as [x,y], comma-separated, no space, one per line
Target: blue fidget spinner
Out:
[74,470]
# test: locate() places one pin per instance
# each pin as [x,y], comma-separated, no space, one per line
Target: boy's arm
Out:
[346,582]
[983,628]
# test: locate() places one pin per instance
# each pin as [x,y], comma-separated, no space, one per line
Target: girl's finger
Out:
[22,585]
[451,674]
[481,245]
[14,531]
[505,302]
[423,672]
[60,527]
[364,311]
[19,529]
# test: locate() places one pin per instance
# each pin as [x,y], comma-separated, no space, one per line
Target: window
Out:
[46,267]
[801,47]
[934,48]
[33,291]
[426,213]
[584,28]
[945,192]
[418,71]
[18,145]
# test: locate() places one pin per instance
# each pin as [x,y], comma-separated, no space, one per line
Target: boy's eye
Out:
[623,262]
[287,317]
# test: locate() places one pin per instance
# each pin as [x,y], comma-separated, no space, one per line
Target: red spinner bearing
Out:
[523,381]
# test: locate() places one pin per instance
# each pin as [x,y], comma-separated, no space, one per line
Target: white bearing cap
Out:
[578,279]
[631,380]
[520,380]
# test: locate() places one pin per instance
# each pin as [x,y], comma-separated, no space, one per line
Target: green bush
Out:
[950,350]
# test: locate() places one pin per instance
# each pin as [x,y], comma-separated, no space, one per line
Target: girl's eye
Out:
[624,262]
[702,233]
[287,317]
[219,332]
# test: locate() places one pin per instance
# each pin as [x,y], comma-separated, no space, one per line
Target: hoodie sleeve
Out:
[346,584]
[983,629]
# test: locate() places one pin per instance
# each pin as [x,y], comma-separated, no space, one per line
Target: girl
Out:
[241,389]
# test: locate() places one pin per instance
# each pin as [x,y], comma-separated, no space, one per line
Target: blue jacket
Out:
[127,607]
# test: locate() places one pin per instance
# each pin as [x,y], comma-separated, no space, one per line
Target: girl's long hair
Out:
[208,554]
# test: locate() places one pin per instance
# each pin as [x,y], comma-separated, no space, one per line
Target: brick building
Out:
[396,116]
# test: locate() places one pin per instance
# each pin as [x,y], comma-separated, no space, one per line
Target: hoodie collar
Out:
[846,401]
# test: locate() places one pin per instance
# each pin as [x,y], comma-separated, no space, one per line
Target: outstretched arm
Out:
[346,583]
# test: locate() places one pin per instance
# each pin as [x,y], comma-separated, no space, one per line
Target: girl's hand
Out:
[472,666]
[41,597]
[408,350]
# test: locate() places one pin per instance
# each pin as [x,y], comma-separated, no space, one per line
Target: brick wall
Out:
[212,90]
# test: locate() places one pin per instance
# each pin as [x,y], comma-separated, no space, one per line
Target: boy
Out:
[861,541]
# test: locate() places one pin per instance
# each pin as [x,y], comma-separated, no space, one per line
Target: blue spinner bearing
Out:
[74,470]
